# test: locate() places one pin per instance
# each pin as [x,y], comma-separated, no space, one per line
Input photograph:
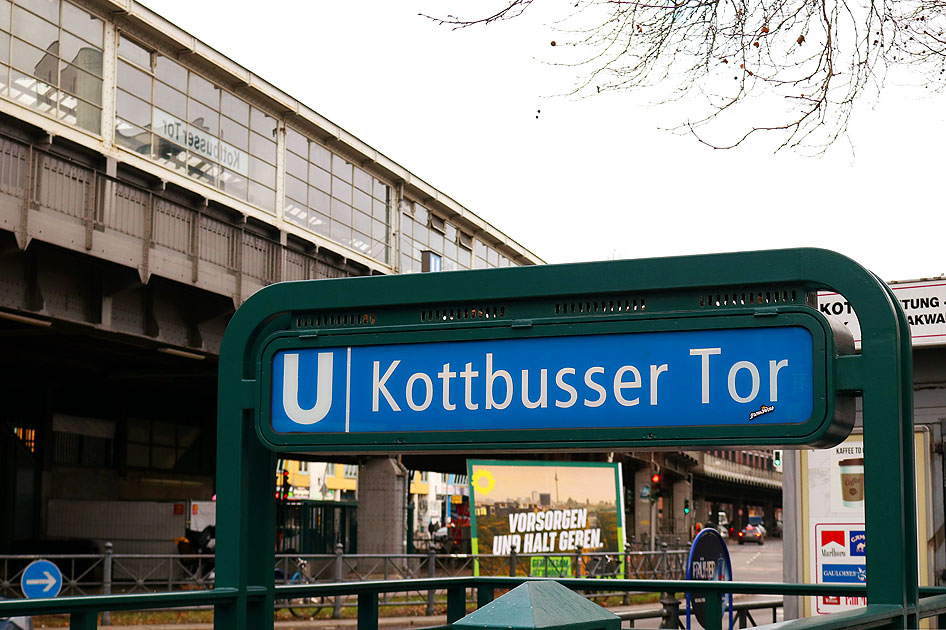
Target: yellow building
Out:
[342,480]
[296,474]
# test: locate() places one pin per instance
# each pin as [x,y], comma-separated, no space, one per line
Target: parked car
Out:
[751,533]
[439,540]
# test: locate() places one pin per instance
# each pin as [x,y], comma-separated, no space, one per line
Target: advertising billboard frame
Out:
[621,534]
[831,416]
[821,507]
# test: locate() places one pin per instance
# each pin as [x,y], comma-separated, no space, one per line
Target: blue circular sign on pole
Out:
[708,560]
[41,578]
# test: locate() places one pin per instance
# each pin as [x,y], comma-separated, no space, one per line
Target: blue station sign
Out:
[744,377]
[717,379]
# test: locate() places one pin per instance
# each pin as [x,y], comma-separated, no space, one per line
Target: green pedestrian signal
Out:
[686,506]
[777,458]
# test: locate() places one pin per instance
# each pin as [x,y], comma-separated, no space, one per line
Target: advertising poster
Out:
[836,535]
[546,511]
[836,478]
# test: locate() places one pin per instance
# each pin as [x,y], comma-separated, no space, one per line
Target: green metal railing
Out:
[84,611]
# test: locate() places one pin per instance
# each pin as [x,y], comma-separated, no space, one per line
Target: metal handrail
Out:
[670,611]
[84,609]
[94,604]
[87,574]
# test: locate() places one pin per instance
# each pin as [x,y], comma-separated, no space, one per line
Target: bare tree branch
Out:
[513,9]
[795,68]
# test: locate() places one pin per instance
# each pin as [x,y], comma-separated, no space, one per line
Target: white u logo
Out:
[290,389]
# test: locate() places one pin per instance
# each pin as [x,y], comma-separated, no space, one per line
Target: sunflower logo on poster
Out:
[546,512]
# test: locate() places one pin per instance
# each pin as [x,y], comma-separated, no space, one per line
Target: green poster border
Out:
[618,488]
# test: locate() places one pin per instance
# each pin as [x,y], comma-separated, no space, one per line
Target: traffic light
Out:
[686,506]
[655,489]
[285,484]
[777,458]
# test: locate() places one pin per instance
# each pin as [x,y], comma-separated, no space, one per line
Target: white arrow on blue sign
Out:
[41,578]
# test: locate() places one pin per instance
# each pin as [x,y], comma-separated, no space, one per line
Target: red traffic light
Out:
[655,478]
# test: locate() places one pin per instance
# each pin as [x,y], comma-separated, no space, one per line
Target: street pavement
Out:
[757,563]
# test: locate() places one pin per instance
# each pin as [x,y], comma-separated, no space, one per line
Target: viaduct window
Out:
[487,257]
[421,231]
[83,441]
[51,60]
[328,195]
[27,436]
[158,445]
[180,119]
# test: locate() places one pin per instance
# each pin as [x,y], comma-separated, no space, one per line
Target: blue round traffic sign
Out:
[708,560]
[41,578]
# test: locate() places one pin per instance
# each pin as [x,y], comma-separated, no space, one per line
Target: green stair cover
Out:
[541,604]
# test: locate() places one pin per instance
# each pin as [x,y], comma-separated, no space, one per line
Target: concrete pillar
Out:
[681,521]
[768,516]
[740,515]
[382,515]
[642,507]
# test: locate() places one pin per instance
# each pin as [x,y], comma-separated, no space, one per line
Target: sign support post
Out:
[890,495]
[246,513]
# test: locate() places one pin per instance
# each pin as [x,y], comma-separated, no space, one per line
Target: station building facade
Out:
[149,185]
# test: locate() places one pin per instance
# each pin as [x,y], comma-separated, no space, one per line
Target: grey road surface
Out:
[757,563]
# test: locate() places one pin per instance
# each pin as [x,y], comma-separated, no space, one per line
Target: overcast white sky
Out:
[588,179]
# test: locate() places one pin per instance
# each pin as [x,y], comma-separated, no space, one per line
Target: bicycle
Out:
[301,607]
[603,566]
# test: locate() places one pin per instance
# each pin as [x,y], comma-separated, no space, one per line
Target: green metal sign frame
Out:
[770,288]
[830,421]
